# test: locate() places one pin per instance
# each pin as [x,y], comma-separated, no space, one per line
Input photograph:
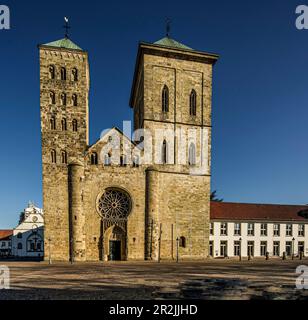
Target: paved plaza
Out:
[211,279]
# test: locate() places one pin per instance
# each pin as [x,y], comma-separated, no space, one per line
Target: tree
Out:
[303,214]
[214,197]
[21,217]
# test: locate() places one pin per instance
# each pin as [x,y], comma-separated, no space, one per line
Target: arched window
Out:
[75,100]
[164,152]
[193,103]
[34,243]
[19,235]
[136,162]
[94,160]
[165,99]
[107,160]
[63,73]
[52,123]
[63,157]
[63,99]
[123,161]
[192,155]
[53,155]
[52,72]
[52,97]
[75,74]
[182,243]
[19,246]
[75,125]
[63,124]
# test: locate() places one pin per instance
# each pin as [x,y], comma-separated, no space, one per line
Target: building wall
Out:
[177,199]
[257,238]
[132,181]
[179,207]
[31,226]
[55,175]
[6,246]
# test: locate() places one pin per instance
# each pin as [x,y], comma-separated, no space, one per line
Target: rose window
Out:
[114,205]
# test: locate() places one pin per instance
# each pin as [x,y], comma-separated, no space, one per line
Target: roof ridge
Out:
[169,42]
[261,204]
[63,43]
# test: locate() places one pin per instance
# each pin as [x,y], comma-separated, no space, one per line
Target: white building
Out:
[28,236]
[5,243]
[239,229]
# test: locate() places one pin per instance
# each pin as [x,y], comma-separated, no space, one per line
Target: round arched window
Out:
[114,205]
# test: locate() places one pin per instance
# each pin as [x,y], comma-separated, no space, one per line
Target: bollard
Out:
[249,257]
[284,256]
[267,256]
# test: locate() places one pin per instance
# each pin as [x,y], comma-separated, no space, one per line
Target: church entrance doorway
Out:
[115,244]
[115,250]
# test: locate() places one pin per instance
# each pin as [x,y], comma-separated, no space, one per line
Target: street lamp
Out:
[240,251]
[159,242]
[72,251]
[49,249]
[293,248]
[177,249]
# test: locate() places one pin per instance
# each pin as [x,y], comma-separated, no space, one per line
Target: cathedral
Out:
[139,196]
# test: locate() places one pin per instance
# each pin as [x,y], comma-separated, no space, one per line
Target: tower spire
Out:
[66,27]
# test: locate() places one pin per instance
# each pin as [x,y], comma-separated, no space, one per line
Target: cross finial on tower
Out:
[66,27]
[168,27]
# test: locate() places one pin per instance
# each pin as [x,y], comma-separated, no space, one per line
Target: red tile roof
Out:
[250,211]
[5,233]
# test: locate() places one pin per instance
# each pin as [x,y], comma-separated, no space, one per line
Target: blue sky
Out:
[260,97]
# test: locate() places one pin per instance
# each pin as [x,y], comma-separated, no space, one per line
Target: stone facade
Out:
[101,203]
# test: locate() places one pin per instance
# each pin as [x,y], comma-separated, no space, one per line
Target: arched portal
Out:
[114,207]
[115,243]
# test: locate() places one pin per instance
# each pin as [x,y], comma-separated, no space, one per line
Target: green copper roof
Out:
[168,42]
[63,43]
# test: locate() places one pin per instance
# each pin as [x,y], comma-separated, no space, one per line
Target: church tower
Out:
[172,99]
[64,99]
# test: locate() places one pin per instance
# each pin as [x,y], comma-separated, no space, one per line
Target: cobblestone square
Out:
[209,280]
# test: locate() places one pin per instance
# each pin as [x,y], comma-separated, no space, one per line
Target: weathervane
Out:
[168,27]
[66,27]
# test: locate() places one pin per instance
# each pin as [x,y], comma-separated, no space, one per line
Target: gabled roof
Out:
[65,43]
[5,234]
[249,211]
[171,43]
[107,133]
